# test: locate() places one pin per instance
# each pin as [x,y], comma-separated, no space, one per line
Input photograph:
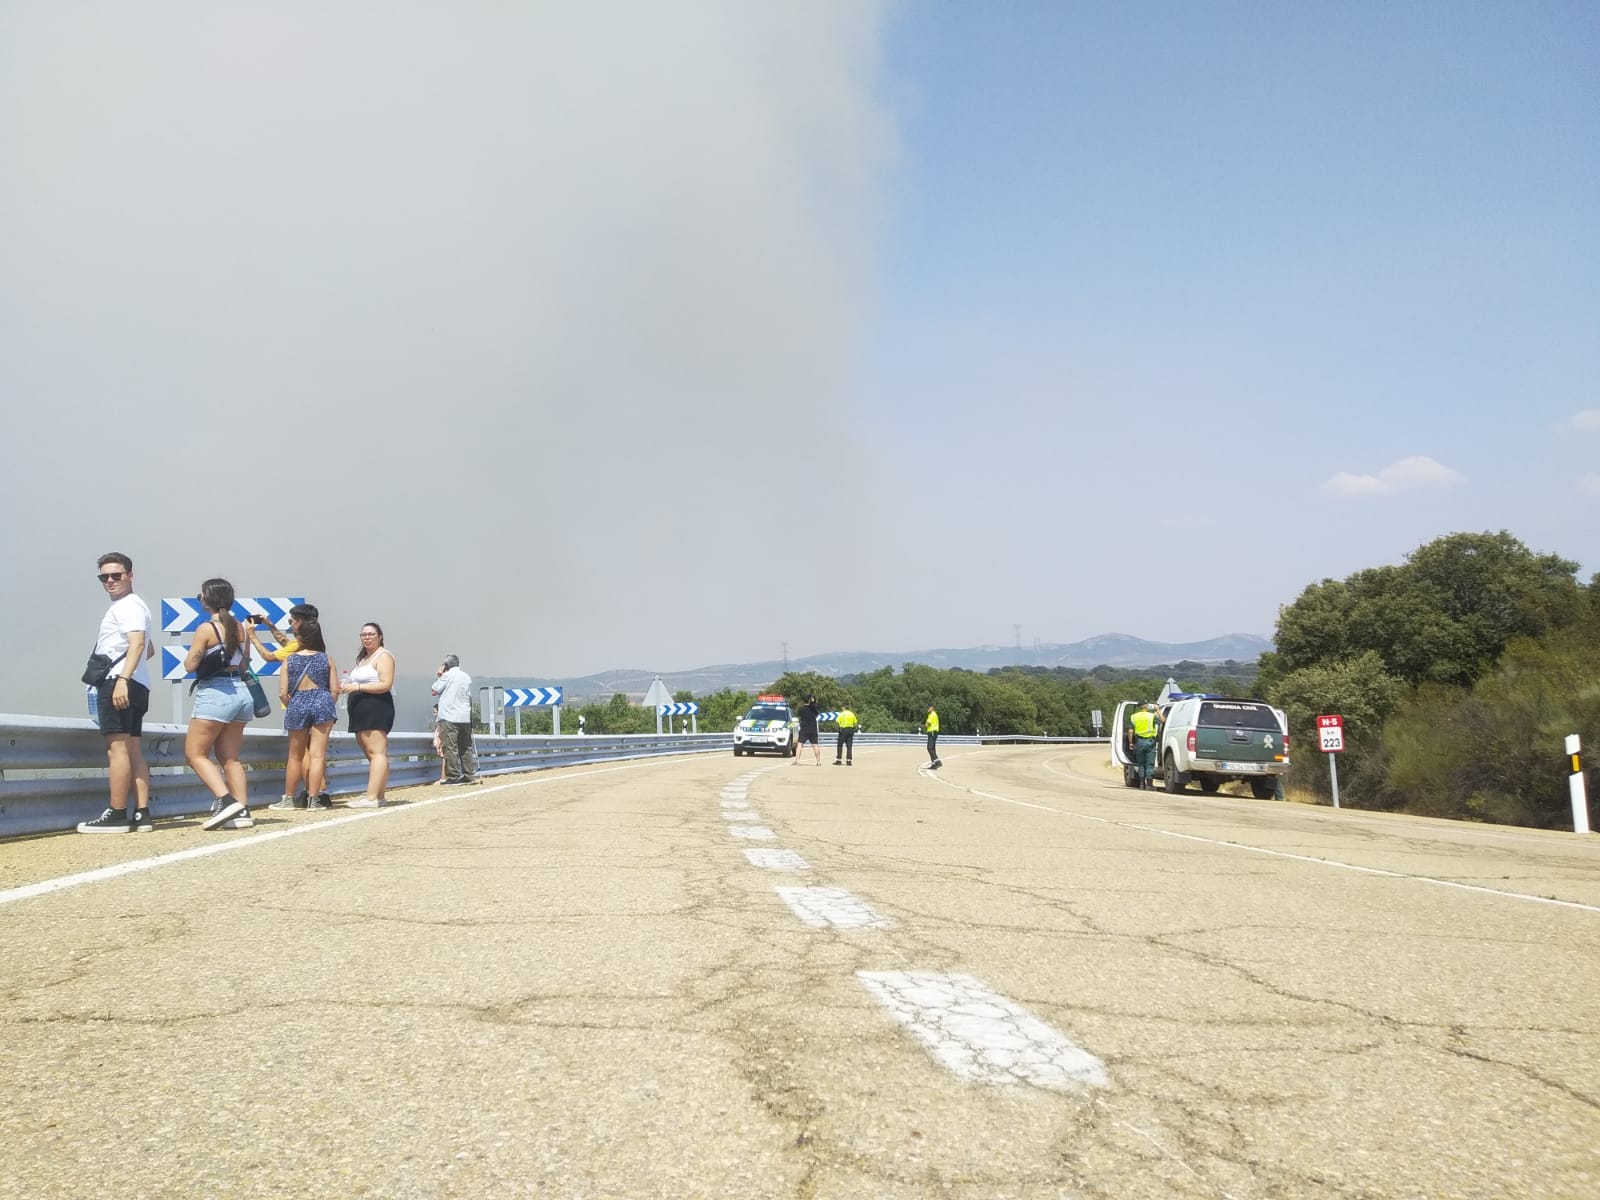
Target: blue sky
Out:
[656,336]
[1291,242]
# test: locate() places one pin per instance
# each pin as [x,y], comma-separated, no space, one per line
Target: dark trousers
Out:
[933,747]
[455,738]
[846,745]
[1144,757]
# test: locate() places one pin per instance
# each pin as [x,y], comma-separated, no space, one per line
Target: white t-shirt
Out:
[454,689]
[125,616]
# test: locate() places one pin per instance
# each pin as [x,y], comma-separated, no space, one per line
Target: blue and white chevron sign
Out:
[677,710]
[172,663]
[543,697]
[831,716]
[184,614]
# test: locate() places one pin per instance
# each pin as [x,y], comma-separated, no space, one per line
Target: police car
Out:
[769,726]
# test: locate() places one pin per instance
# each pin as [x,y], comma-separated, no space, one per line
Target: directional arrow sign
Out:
[539,697]
[184,614]
[172,663]
[828,716]
[677,710]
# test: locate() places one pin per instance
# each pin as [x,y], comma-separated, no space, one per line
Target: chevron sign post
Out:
[184,614]
[532,697]
[677,710]
[828,716]
[172,663]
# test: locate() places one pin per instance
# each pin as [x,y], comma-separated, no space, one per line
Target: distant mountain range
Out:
[1108,650]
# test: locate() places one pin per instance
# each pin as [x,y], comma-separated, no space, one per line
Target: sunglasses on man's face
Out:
[112,577]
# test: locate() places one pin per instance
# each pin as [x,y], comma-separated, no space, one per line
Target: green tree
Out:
[721,711]
[1443,616]
[1361,691]
[1495,752]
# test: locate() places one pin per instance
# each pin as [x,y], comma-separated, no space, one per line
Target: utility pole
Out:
[785,646]
[1017,629]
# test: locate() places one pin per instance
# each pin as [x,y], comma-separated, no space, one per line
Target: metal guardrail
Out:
[53,769]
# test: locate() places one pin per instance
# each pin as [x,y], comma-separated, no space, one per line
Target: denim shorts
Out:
[223,698]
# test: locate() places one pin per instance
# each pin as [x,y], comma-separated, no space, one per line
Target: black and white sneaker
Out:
[113,820]
[140,821]
[242,821]
[321,801]
[223,810]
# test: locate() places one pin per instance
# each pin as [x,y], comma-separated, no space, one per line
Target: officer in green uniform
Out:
[846,745]
[931,728]
[1144,729]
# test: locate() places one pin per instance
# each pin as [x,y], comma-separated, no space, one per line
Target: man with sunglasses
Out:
[123,698]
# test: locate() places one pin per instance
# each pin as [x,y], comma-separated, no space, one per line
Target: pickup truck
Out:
[1211,740]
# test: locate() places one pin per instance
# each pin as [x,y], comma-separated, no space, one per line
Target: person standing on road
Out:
[846,745]
[371,703]
[930,726]
[310,692]
[287,644]
[122,697]
[218,657]
[808,732]
[454,689]
[1144,727]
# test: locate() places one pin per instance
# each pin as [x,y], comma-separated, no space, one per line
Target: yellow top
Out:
[282,653]
[931,725]
[1144,723]
[847,719]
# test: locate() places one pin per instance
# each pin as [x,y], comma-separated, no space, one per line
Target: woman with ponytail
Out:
[222,707]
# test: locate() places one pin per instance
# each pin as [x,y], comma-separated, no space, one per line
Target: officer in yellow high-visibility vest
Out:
[1144,729]
[931,728]
[846,745]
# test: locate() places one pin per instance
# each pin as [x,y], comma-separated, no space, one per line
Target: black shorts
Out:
[809,736]
[128,720]
[371,710]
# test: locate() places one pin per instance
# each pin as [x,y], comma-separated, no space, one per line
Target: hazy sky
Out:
[570,337]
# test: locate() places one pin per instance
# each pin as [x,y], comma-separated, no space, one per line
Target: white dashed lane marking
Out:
[777,860]
[978,1034]
[758,833]
[741,816]
[824,906]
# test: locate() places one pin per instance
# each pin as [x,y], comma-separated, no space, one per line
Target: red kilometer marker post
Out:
[1330,740]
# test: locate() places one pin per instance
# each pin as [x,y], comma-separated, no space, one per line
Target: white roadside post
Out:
[1580,795]
[1330,738]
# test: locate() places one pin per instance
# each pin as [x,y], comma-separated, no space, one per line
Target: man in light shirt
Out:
[453,687]
[122,699]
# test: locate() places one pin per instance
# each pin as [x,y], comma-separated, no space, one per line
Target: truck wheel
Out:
[1173,779]
[1209,784]
[1130,777]
[1262,789]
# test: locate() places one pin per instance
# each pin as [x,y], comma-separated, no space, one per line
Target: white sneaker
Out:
[364,802]
[223,811]
[243,821]
[286,803]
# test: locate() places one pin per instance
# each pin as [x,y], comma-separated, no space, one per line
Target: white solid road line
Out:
[1245,846]
[820,907]
[45,886]
[978,1034]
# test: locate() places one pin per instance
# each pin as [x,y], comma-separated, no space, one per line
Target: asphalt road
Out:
[1012,979]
